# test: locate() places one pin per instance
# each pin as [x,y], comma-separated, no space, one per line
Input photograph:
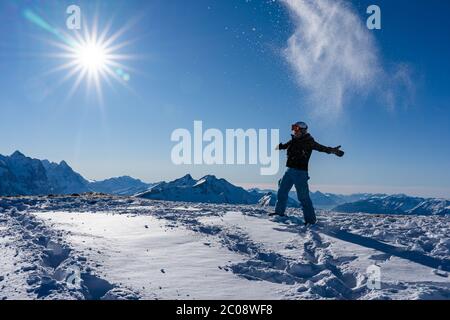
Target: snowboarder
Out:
[299,151]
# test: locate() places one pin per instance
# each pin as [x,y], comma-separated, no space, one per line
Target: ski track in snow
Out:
[266,259]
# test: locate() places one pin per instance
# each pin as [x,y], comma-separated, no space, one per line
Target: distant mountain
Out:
[324,200]
[208,189]
[125,186]
[319,199]
[342,198]
[432,207]
[63,179]
[22,175]
[331,200]
[263,191]
[397,204]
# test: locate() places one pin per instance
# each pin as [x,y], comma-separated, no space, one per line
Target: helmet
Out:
[303,126]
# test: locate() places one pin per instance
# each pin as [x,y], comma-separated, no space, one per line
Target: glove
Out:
[337,151]
[278,147]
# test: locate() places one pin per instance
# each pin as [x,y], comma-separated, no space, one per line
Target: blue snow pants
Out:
[299,179]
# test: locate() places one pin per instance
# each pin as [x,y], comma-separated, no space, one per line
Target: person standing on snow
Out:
[299,151]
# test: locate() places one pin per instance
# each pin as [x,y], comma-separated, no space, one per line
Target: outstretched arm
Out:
[283,146]
[318,147]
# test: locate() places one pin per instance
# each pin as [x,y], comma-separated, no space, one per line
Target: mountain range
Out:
[208,189]
[397,204]
[22,175]
[330,200]
[123,186]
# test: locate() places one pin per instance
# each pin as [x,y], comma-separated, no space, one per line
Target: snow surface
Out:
[109,247]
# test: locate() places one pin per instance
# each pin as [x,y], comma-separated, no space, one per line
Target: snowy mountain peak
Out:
[211,177]
[125,186]
[185,180]
[20,175]
[17,154]
[64,164]
[208,189]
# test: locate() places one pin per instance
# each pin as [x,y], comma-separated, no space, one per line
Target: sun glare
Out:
[91,57]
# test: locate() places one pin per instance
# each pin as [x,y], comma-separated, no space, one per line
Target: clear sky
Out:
[381,94]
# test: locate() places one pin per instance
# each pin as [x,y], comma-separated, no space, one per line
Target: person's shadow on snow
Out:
[414,256]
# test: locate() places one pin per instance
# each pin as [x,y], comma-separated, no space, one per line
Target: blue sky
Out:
[227,63]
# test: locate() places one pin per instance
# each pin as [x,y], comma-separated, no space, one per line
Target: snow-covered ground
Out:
[92,247]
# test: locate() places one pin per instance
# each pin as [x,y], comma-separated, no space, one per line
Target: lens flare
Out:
[94,58]
[88,56]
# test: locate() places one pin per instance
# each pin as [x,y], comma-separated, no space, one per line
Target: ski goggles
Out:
[299,126]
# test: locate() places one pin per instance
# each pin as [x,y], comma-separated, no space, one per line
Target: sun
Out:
[92,57]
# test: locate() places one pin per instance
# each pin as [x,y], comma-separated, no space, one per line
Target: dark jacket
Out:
[299,151]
